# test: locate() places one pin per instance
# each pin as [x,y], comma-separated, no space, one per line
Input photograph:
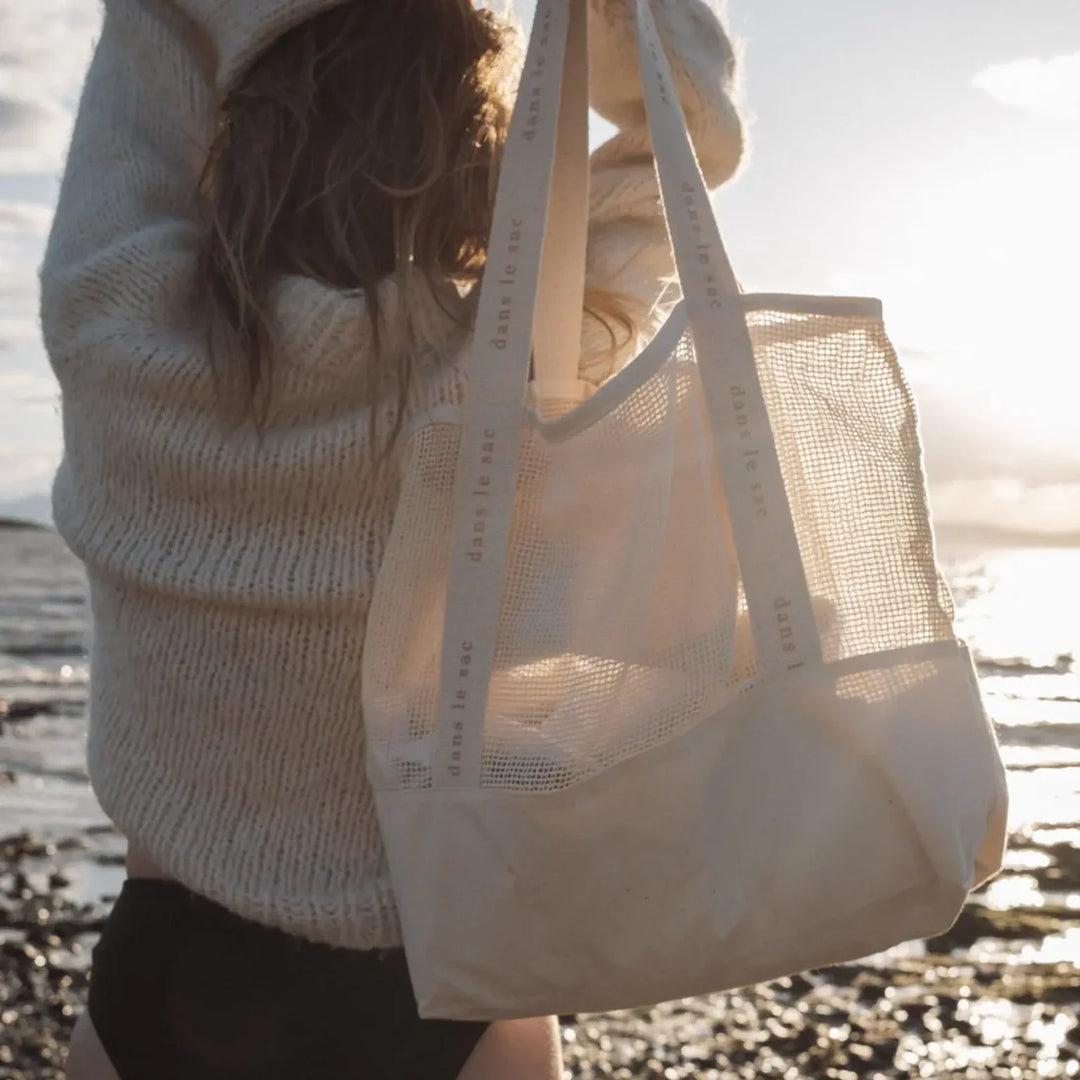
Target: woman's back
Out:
[231,564]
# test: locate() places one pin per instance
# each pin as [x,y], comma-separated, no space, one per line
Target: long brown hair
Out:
[362,144]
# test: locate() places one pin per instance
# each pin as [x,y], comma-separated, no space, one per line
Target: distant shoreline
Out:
[946,535]
[989,536]
[20,523]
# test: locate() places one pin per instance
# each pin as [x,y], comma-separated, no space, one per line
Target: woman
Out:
[263,267]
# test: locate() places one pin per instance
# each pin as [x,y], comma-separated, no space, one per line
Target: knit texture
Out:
[230,577]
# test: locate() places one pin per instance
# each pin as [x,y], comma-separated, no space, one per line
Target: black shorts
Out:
[183,988]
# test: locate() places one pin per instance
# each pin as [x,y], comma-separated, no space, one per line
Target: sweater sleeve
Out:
[241,29]
[126,227]
[629,254]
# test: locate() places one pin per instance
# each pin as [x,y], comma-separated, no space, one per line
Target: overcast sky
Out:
[923,151]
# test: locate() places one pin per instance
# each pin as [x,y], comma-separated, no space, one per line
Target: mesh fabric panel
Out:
[845,426]
[623,620]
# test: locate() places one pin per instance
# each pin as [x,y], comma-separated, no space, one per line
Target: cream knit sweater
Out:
[230,578]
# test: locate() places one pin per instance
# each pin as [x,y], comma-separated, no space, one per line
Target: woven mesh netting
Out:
[623,620]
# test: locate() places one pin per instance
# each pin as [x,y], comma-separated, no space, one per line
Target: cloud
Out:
[28,388]
[1045,87]
[1005,503]
[33,135]
[17,329]
[47,46]
[24,219]
[16,116]
[24,227]
[22,472]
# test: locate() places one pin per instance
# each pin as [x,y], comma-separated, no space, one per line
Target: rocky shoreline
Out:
[45,942]
[996,997]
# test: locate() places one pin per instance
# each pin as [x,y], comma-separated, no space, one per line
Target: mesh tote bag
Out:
[661,686]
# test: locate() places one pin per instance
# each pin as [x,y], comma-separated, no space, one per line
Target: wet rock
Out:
[74,843]
[43,981]
[917,1016]
[11,711]
[977,922]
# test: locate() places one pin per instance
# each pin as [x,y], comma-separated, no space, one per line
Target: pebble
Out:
[23,710]
[915,1017]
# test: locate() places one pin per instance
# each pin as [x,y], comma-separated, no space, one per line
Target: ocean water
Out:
[1019,609]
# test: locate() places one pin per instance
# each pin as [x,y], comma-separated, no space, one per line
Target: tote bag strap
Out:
[781,616]
[557,323]
[555,73]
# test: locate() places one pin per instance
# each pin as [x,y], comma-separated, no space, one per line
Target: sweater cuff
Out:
[241,29]
[704,67]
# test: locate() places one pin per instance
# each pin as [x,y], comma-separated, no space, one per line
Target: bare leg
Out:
[87,1059]
[509,1050]
[517,1050]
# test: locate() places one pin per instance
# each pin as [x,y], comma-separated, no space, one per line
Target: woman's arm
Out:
[629,254]
[241,29]
[127,228]
[126,225]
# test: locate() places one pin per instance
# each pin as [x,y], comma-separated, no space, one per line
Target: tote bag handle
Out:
[781,616]
[556,331]
[493,409]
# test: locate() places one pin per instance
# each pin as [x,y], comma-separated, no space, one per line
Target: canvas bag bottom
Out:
[805,824]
